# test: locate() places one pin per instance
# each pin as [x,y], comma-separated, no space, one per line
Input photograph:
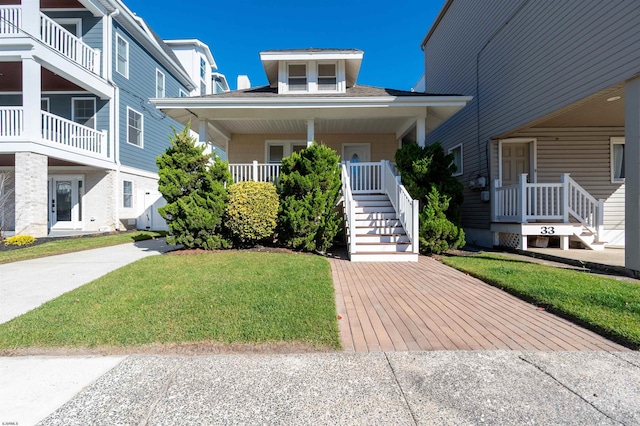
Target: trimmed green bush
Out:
[309,190]
[252,211]
[437,233]
[194,186]
[20,240]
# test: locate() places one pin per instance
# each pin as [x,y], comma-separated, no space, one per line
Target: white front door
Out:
[65,201]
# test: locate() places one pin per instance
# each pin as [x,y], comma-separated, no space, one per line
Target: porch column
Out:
[632,174]
[421,131]
[31,207]
[31,17]
[311,128]
[202,131]
[31,94]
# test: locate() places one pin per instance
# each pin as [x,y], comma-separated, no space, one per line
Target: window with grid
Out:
[135,128]
[327,77]
[297,78]
[159,84]
[122,56]
[84,112]
[127,194]
[203,69]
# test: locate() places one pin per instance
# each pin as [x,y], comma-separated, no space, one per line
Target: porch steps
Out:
[380,236]
[588,238]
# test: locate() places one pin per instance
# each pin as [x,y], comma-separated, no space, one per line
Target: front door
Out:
[356,153]
[65,202]
[515,161]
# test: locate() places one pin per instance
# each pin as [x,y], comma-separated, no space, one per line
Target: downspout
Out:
[114,112]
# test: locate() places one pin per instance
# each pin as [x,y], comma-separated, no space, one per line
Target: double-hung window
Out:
[277,150]
[159,84]
[83,111]
[327,77]
[457,159]
[127,194]
[122,56]
[135,128]
[297,77]
[617,160]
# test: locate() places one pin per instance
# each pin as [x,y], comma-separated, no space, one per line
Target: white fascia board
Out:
[198,44]
[310,56]
[95,9]
[328,102]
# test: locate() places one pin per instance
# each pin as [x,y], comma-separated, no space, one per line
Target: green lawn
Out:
[605,305]
[51,248]
[222,297]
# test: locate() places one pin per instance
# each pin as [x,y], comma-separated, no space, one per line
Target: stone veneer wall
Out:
[31,194]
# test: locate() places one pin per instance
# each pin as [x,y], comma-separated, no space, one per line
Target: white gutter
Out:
[114,112]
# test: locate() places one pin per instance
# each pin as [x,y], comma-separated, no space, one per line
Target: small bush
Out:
[252,211]
[437,233]
[20,240]
[309,190]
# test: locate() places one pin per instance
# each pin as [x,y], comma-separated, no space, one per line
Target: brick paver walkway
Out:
[430,306]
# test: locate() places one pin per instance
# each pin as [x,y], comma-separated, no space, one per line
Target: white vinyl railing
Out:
[365,177]
[66,132]
[69,45]
[10,19]
[526,202]
[406,207]
[349,206]
[11,121]
[255,171]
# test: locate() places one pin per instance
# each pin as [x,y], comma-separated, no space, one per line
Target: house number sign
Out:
[547,230]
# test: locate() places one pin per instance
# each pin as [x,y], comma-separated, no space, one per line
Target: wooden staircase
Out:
[380,236]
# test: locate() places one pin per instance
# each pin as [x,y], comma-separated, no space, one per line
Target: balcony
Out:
[55,132]
[12,24]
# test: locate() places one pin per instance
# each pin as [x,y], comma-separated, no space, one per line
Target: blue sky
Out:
[389,32]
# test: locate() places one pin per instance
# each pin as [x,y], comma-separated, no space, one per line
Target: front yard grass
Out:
[223,297]
[607,306]
[70,245]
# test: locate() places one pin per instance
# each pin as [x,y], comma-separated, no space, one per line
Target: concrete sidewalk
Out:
[482,387]
[28,284]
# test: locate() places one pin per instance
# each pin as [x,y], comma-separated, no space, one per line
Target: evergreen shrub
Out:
[252,211]
[309,189]
[437,233]
[194,186]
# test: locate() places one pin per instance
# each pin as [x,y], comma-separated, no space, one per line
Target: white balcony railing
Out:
[69,45]
[11,121]
[365,177]
[69,133]
[10,19]
[254,171]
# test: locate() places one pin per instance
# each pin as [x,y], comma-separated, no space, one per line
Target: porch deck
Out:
[429,306]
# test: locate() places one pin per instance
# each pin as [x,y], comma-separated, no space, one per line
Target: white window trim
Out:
[164,84]
[123,194]
[335,75]
[76,21]
[48,101]
[453,148]
[307,68]
[141,146]
[286,144]
[126,43]
[73,109]
[617,140]
[182,93]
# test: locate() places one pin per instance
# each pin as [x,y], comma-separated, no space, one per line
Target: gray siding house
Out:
[554,120]
[78,136]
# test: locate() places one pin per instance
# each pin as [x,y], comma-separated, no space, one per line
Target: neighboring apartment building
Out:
[556,92]
[77,132]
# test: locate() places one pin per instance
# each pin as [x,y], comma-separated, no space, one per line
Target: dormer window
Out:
[297,77]
[327,77]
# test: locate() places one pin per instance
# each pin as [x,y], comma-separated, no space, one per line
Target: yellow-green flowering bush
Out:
[252,211]
[20,240]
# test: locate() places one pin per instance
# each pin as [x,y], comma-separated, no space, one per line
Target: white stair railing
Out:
[10,19]
[349,206]
[583,206]
[11,121]
[406,207]
[66,132]
[365,177]
[69,45]
[255,171]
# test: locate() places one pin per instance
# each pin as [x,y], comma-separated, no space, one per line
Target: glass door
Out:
[66,202]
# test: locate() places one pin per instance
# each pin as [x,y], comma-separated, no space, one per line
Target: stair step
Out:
[378,223]
[372,216]
[370,197]
[372,203]
[381,238]
[383,247]
[383,257]
[375,209]
[379,230]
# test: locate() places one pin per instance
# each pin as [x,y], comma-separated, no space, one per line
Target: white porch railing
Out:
[349,207]
[406,207]
[69,45]
[66,132]
[365,177]
[11,121]
[526,202]
[10,19]
[254,171]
